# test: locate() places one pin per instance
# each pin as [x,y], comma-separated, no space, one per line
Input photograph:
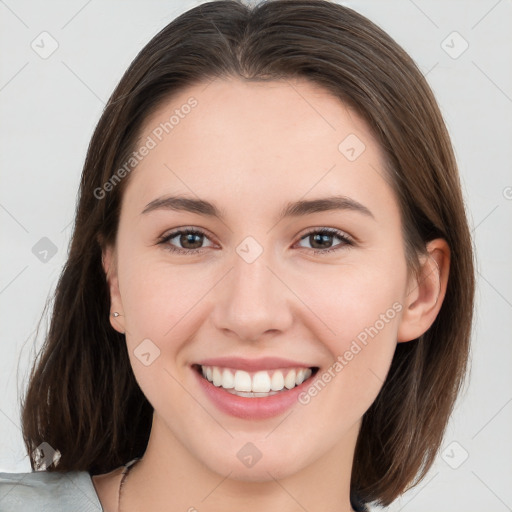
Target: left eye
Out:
[322,236]
[193,238]
[185,236]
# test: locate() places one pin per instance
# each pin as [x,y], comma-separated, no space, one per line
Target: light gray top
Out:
[44,491]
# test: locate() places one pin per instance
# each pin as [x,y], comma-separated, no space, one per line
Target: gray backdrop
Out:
[61,60]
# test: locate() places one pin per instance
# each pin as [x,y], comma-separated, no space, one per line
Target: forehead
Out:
[261,141]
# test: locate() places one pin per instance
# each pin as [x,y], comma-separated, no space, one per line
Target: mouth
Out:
[255,384]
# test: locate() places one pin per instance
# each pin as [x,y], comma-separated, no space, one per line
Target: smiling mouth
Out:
[257,384]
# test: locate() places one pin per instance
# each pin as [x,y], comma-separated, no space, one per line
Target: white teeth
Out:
[277,382]
[302,375]
[228,381]
[289,380]
[217,376]
[260,383]
[242,381]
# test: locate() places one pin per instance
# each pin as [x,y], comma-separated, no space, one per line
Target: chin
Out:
[243,461]
[260,472]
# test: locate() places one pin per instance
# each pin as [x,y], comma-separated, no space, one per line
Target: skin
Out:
[250,148]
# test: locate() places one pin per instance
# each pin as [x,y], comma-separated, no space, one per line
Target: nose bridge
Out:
[254,300]
[251,275]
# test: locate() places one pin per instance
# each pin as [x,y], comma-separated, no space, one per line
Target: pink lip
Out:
[251,408]
[251,365]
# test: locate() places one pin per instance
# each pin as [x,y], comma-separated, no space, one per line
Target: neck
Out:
[169,474]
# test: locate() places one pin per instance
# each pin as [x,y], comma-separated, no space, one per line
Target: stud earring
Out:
[115,314]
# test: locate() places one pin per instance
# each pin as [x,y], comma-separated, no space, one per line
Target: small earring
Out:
[115,313]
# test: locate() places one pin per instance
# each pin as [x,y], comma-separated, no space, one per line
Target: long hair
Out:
[82,397]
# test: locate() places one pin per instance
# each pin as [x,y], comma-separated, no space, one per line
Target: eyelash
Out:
[347,241]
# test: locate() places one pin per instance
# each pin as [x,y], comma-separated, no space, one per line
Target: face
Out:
[256,297]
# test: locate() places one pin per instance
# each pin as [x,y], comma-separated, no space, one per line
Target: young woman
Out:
[268,297]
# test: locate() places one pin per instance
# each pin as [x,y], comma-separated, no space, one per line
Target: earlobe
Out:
[109,263]
[426,293]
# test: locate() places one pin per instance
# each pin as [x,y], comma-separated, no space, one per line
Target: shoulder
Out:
[48,491]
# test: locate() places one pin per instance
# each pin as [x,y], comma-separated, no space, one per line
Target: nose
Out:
[254,300]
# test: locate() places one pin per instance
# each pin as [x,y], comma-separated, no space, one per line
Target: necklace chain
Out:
[126,470]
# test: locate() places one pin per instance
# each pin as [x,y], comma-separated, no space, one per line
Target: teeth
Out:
[289,380]
[228,380]
[277,382]
[260,383]
[217,376]
[242,381]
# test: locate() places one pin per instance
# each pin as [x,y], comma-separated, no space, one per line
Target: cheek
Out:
[157,296]
[354,301]
[362,313]
[360,357]
[161,304]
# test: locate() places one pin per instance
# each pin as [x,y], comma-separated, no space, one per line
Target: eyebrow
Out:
[294,209]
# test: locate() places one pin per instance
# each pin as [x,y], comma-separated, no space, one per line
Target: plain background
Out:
[50,106]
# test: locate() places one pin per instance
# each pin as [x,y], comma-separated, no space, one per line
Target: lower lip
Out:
[251,408]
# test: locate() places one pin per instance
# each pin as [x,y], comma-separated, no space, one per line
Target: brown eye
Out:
[321,240]
[190,240]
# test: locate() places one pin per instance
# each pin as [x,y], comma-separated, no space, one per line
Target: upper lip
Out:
[263,363]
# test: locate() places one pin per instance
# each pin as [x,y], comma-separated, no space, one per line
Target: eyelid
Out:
[169,235]
[347,241]
[331,231]
[175,231]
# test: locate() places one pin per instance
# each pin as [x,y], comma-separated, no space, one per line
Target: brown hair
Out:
[83,398]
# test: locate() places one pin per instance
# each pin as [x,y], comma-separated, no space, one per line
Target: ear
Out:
[109,263]
[426,292]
